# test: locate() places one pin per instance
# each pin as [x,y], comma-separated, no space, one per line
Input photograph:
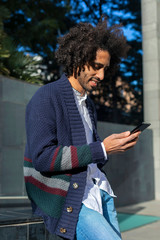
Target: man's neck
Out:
[75,84]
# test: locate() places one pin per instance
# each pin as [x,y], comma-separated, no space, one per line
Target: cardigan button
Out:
[63,230]
[75,185]
[69,209]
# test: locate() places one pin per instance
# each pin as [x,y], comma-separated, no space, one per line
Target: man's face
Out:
[92,75]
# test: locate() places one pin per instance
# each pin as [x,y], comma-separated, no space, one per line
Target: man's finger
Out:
[129,145]
[122,135]
[130,138]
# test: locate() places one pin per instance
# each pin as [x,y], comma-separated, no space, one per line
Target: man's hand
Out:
[117,143]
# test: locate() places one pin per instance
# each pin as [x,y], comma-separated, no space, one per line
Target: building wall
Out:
[151,77]
[14,95]
[131,174]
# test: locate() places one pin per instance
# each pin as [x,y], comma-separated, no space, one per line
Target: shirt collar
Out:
[80,98]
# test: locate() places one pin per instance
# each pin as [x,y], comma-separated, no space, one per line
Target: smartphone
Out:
[140,127]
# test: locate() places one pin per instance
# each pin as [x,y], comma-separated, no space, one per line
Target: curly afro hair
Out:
[79,46]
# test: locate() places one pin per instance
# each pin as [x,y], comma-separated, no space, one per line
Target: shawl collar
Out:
[76,124]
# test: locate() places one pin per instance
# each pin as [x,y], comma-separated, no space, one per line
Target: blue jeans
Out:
[95,226]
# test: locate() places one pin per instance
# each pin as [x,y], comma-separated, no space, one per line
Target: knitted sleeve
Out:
[43,149]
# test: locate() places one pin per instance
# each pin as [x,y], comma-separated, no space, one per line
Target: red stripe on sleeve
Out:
[54,158]
[74,157]
[27,159]
[45,188]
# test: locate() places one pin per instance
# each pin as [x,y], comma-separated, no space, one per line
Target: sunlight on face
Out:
[92,74]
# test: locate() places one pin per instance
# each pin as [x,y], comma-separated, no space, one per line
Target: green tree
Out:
[35,25]
[4,52]
[12,62]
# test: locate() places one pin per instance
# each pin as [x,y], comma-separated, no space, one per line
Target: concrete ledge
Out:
[18,223]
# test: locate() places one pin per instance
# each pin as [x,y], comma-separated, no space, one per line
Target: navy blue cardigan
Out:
[57,155]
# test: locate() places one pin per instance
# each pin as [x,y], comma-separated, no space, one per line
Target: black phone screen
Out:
[140,127]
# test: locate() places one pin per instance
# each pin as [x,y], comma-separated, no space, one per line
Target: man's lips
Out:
[94,81]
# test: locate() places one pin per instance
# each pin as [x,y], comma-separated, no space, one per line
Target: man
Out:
[64,153]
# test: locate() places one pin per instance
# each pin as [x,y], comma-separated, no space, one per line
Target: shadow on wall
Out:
[131,174]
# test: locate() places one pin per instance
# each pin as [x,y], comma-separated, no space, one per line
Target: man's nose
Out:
[100,74]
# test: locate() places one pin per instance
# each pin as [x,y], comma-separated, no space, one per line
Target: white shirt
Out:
[92,197]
